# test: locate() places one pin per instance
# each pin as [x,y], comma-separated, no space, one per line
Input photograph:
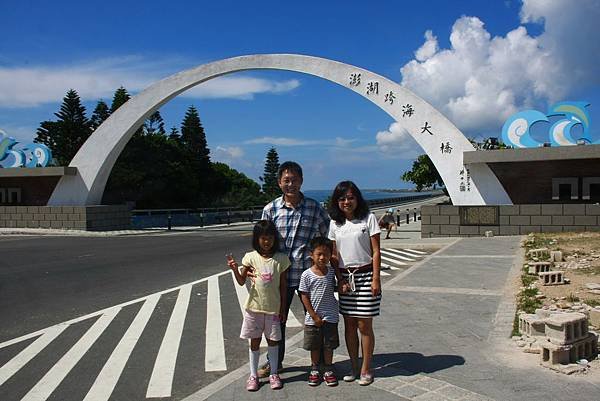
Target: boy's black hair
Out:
[265,227]
[321,241]
[362,208]
[291,166]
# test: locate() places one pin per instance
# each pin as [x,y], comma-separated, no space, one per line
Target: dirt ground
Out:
[581,255]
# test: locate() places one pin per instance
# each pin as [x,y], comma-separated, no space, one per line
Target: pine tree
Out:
[120,97]
[174,135]
[100,114]
[269,178]
[66,135]
[194,138]
[154,125]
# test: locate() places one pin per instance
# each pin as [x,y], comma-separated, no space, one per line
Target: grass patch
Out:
[572,298]
[591,302]
[515,330]
[527,280]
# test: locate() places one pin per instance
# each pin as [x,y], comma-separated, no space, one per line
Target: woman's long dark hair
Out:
[265,227]
[362,208]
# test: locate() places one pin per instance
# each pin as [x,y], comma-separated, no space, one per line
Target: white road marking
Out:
[28,353]
[44,388]
[161,381]
[242,293]
[214,354]
[385,274]
[404,252]
[113,368]
[102,311]
[395,255]
[415,251]
[397,262]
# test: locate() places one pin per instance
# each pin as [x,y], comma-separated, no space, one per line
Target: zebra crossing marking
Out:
[161,380]
[108,377]
[21,359]
[395,255]
[44,388]
[394,261]
[415,251]
[214,351]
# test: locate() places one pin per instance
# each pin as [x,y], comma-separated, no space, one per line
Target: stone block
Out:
[67,209]
[509,210]
[553,354]
[592,228]
[566,328]
[79,225]
[556,256]
[430,229]
[2,223]
[541,220]
[504,220]
[32,209]
[592,210]
[562,220]
[33,224]
[425,219]
[10,209]
[27,216]
[552,229]
[538,253]
[529,229]
[539,267]
[21,223]
[594,318]
[574,209]
[54,209]
[440,219]
[574,228]
[552,210]
[532,325]
[56,224]
[555,277]
[11,224]
[447,229]
[449,210]
[16,216]
[520,220]
[44,224]
[38,216]
[472,230]
[530,210]
[51,217]
[74,217]
[455,220]
[509,230]
[586,220]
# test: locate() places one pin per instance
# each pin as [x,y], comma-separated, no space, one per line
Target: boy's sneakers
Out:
[275,381]
[252,383]
[330,379]
[314,378]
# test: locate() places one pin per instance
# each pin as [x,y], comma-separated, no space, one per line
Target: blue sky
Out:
[478,62]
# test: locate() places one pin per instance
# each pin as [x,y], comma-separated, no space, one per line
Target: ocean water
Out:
[322,194]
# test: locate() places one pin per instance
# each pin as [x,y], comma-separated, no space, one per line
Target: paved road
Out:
[125,318]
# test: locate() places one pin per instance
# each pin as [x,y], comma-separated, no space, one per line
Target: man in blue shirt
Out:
[298,220]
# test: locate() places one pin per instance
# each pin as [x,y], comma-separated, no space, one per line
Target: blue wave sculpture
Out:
[516,129]
[28,155]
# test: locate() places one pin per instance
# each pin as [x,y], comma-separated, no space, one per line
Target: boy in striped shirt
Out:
[322,311]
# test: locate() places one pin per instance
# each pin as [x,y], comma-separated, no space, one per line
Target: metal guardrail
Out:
[146,218]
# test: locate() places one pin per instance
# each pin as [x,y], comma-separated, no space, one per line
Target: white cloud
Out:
[231,155]
[480,80]
[33,86]
[397,143]
[280,141]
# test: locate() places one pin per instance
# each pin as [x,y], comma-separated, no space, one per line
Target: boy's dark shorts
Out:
[325,336]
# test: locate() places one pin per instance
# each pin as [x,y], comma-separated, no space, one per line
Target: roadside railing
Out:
[147,218]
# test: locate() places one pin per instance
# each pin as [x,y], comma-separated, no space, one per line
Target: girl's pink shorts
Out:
[256,324]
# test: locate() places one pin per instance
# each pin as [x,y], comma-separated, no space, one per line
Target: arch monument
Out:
[439,138]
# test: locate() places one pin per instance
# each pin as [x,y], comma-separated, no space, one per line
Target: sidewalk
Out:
[442,335]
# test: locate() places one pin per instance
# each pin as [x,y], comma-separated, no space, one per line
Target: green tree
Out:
[100,114]
[235,188]
[423,173]
[174,134]
[154,124]
[194,138]
[119,98]
[66,135]
[269,178]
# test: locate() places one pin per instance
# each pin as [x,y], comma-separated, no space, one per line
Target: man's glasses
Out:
[346,198]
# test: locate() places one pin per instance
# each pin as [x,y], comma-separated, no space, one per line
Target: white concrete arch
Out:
[96,157]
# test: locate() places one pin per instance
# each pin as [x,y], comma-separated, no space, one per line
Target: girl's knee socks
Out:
[273,353]
[253,356]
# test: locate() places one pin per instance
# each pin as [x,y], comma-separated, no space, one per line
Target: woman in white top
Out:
[356,256]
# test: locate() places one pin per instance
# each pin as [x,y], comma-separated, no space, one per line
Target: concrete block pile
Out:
[562,339]
[543,269]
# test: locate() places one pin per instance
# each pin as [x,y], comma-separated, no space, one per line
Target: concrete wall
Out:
[444,220]
[91,218]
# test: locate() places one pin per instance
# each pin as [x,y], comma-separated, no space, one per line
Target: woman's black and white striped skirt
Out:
[360,302]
